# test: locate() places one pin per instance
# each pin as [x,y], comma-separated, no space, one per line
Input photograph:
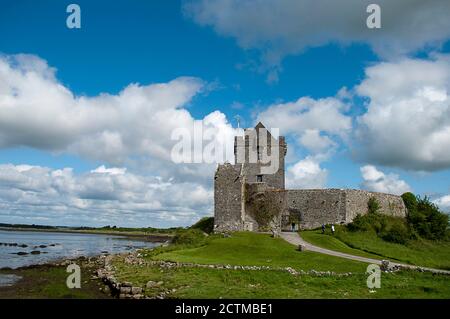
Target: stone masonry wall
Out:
[336,206]
[356,203]
[228,197]
[251,170]
[313,207]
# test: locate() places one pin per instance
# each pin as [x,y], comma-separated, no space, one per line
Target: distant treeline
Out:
[129,229]
[104,228]
[33,226]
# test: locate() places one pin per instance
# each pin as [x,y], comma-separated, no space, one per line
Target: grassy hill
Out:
[246,248]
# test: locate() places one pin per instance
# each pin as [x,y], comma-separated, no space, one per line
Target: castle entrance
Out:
[294,227]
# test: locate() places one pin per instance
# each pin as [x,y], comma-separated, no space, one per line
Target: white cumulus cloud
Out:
[103,196]
[306,173]
[130,132]
[407,123]
[377,181]
[36,110]
[279,28]
[443,203]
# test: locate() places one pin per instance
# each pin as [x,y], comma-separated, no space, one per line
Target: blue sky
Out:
[243,70]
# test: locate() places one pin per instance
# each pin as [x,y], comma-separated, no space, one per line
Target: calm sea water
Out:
[60,245]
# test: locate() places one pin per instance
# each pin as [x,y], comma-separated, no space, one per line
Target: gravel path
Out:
[295,239]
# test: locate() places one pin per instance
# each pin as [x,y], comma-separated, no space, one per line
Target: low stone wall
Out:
[121,290]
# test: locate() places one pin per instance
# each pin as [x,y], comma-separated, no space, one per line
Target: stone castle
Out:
[250,194]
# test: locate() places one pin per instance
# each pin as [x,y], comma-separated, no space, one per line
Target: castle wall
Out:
[356,203]
[314,207]
[228,198]
[251,170]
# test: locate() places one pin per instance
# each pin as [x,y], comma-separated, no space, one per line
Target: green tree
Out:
[410,201]
[425,218]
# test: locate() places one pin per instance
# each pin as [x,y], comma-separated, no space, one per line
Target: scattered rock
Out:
[125,290]
[136,290]
[384,265]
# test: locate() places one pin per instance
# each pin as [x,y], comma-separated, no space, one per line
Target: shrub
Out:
[360,223]
[370,222]
[372,205]
[206,224]
[397,233]
[189,237]
[389,228]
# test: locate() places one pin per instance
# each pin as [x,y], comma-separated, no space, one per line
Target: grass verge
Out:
[435,254]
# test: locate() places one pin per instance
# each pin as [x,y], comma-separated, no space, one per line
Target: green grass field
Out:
[260,249]
[219,283]
[367,244]
[247,248]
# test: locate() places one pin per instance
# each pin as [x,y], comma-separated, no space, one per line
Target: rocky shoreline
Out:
[48,280]
[96,268]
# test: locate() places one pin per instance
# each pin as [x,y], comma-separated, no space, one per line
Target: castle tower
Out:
[262,156]
[259,160]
